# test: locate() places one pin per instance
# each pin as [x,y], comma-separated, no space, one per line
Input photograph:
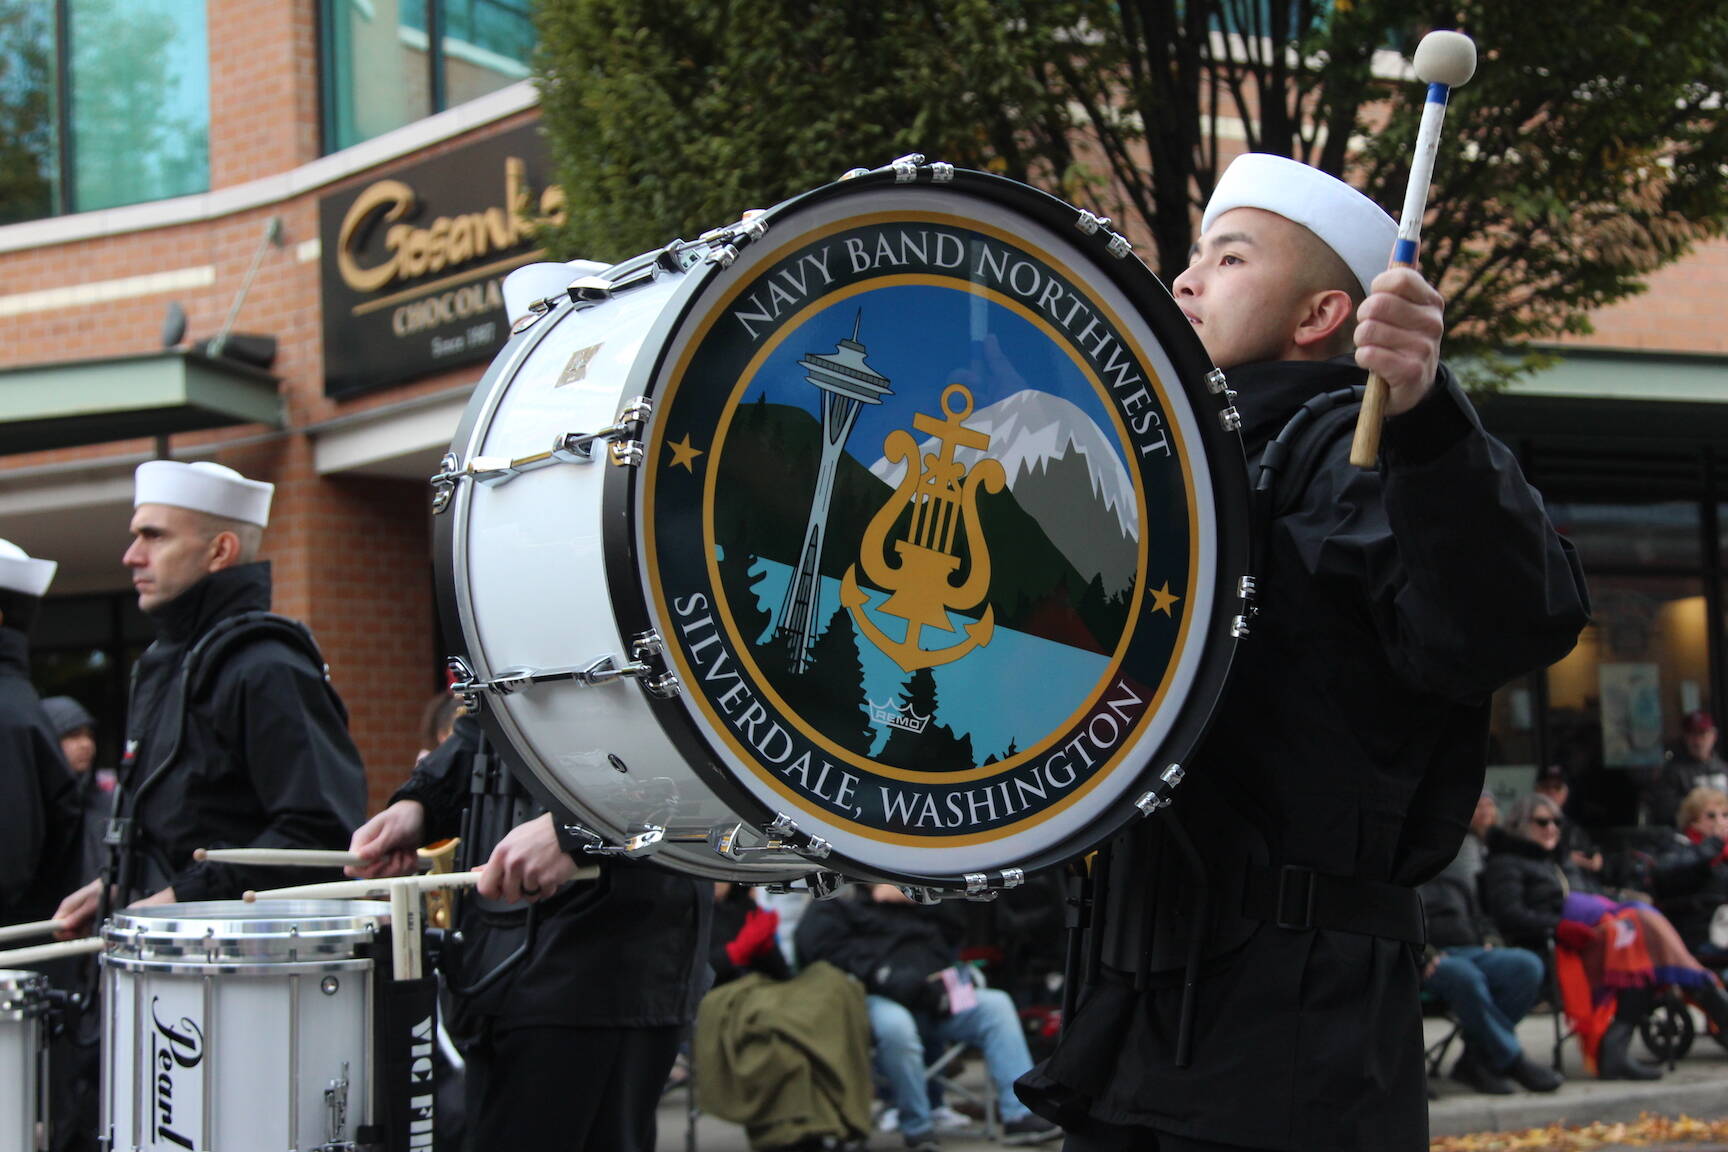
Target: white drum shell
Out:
[226,1023]
[530,582]
[23,1067]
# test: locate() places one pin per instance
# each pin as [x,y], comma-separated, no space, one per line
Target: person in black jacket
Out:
[1488,988]
[900,951]
[254,752]
[1534,898]
[568,1047]
[39,818]
[1692,874]
[1258,981]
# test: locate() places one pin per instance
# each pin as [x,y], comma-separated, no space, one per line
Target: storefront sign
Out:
[413,263]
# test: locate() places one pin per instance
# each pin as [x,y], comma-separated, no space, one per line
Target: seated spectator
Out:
[1622,949]
[1692,875]
[1694,764]
[905,955]
[787,1057]
[1577,850]
[1488,989]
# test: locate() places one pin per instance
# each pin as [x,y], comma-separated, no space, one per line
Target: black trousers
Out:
[1097,1137]
[558,1089]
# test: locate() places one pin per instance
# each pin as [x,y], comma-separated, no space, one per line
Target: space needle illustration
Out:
[846,382]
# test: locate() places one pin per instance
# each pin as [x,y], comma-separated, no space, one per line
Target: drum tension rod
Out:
[567,448]
[781,835]
[600,670]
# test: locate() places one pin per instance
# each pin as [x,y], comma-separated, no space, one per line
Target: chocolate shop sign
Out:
[413,263]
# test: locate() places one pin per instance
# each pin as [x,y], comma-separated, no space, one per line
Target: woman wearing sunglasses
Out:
[1692,875]
[1609,956]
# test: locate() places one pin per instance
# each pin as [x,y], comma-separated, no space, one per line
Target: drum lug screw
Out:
[645,645]
[1119,246]
[329,985]
[854,173]
[1215,381]
[1247,587]
[722,255]
[444,483]
[941,172]
[1239,627]
[1089,223]
[1231,419]
[906,167]
[626,453]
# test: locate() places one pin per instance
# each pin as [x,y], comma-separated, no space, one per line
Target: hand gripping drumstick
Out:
[1444,61]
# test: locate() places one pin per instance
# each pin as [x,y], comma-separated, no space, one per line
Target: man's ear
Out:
[224,551]
[1328,313]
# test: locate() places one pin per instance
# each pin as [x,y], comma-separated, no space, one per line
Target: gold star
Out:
[1163,599]
[683,454]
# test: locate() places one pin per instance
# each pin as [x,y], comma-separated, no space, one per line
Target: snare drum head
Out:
[940,524]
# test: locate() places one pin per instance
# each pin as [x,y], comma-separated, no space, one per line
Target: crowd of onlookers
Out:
[1532,910]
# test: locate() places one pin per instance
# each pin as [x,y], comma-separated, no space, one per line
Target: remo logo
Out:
[921,530]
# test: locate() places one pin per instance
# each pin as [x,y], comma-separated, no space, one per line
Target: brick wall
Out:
[350,555]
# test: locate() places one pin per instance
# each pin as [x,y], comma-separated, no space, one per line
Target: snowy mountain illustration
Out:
[1063,471]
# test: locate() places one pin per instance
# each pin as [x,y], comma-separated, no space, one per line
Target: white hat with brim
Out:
[1349,223]
[20,573]
[203,487]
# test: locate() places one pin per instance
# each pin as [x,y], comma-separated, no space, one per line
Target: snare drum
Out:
[23,1061]
[901,529]
[232,1025]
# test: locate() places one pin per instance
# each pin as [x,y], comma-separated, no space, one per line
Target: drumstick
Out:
[363,889]
[41,953]
[1444,61]
[279,857]
[25,931]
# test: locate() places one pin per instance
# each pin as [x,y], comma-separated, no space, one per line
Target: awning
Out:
[96,401]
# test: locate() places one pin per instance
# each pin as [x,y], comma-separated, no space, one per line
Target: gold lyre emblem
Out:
[943,501]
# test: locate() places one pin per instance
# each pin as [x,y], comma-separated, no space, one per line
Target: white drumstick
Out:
[279,857]
[41,953]
[364,889]
[26,931]
[1444,61]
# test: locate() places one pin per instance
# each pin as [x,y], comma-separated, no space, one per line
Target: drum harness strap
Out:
[196,669]
[495,805]
[1289,896]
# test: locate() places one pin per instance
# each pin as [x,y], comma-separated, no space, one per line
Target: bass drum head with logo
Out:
[942,523]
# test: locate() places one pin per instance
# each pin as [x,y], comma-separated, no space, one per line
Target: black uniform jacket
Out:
[39,821]
[1350,740]
[625,950]
[264,760]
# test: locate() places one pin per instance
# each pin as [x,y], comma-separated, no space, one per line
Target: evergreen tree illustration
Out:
[936,749]
[833,686]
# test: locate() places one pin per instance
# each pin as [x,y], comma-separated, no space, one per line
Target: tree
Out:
[669,117]
[1586,153]
[26,112]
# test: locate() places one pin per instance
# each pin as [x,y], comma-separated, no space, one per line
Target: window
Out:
[102,103]
[390,62]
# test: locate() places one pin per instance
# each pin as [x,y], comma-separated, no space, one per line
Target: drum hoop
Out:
[228,966]
[1223,458]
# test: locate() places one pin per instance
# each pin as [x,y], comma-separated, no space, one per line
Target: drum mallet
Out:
[1443,61]
[31,930]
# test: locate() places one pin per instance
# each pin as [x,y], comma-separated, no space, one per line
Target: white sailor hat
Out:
[1349,223]
[20,573]
[203,486]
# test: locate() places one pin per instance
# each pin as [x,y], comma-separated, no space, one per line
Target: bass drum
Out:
[900,529]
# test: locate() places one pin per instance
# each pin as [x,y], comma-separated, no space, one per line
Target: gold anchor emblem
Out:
[943,499]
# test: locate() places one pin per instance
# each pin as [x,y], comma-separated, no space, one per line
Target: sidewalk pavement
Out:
[1697,1086]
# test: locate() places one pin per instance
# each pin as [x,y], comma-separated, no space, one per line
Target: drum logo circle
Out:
[920,528]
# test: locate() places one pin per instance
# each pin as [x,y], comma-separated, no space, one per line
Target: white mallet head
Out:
[1447,58]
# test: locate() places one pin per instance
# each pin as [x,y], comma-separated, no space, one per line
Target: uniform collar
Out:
[245,588]
[14,653]
[1269,393]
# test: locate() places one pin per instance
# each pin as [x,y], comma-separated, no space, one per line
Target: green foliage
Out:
[1589,149]
[669,117]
